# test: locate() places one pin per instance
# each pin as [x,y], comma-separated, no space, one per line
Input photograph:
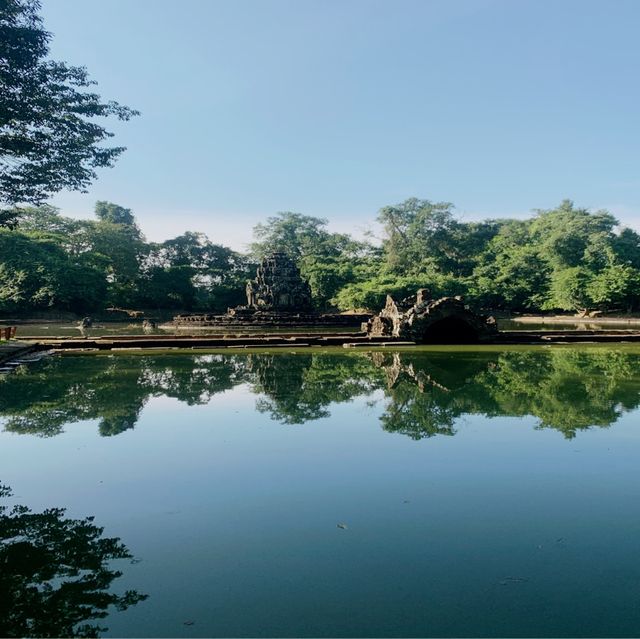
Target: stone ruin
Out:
[276,297]
[443,321]
[278,286]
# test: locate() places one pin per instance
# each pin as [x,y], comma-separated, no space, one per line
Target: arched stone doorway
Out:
[450,330]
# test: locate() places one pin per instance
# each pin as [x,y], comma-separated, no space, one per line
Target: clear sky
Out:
[336,108]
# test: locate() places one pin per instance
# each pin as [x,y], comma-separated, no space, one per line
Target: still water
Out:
[443,491]
[113,329]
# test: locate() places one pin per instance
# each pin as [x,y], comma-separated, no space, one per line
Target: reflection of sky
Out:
[235,519]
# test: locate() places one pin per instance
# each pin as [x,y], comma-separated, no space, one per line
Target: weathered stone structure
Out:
[278,286]
[277,297]
[443,321]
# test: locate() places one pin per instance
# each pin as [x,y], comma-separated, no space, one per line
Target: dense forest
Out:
[564,259]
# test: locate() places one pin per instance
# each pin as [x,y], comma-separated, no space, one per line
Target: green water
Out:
[113,329]
[429,492]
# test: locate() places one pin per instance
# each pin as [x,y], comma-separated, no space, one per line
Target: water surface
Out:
[444,491]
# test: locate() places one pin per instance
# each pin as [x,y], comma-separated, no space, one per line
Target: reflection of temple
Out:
[434,371]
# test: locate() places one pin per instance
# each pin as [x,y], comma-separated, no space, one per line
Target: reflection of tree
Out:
[428,392]
[567,389]
[299,388]
[61,390]
[55,574]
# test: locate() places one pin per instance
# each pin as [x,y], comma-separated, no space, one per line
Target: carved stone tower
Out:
[278,286]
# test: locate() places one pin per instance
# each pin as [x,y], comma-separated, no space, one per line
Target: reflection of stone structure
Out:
[444,321]
[278,286]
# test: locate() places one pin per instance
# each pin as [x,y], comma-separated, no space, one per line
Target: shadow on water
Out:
[425,392]
[56,573]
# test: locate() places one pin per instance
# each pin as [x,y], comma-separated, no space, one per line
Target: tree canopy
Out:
[49,139]
[562,259]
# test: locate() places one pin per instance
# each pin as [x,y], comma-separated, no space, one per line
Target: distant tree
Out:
[48,139]
[36,273]
[189,272]
[9,218]
[114,213]
[510,272]
[571,290]
[291,233]
[418,232]
[616,287]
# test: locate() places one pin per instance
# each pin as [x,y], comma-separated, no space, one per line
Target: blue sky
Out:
[336,108]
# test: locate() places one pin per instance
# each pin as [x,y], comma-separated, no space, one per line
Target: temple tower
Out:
[278,286]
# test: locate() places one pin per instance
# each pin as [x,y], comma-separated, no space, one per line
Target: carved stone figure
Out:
[443,321]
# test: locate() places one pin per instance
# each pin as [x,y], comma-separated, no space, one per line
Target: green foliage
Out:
[371,293]
[510,274]
[36,273]
[54,262]
[291,233]
[9,218]
[563,259]
[49,140]
[114,213]
[617,286]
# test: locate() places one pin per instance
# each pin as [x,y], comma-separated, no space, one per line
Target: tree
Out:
[115,214]
[416,232]
[510,272]
[36,273]
[571,290]
[9,218]
[48,139]
[291,233]
[189,271]
[616,286]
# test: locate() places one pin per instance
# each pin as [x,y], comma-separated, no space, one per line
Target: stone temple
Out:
[278,287]
[277,297]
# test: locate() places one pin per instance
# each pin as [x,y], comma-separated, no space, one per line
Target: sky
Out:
[336,108]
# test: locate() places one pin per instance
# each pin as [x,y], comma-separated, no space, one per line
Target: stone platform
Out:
[264,319]
[314,340]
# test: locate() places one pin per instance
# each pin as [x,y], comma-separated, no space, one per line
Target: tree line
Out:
[563,259]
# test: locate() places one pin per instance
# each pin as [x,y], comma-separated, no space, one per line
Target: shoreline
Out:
[571,319]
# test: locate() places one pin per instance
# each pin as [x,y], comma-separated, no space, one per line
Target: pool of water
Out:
[71,329]
[442,491]
[570,325]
